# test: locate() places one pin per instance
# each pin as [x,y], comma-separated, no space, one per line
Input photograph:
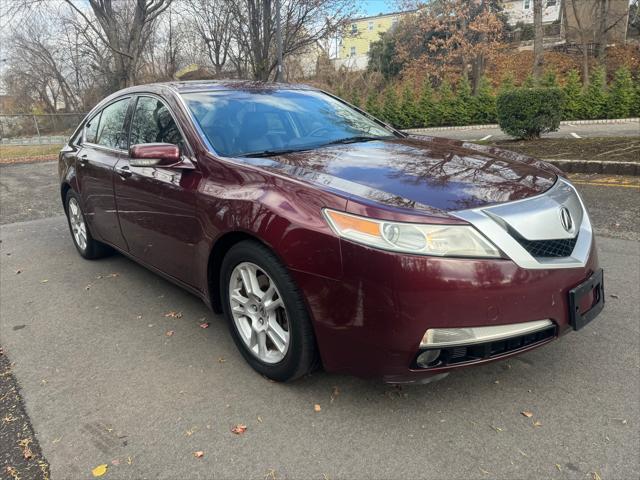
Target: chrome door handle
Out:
[124,172]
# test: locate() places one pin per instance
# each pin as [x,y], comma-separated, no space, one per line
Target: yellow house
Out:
[360,32]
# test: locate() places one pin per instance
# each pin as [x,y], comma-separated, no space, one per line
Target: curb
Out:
[596,166]
[495,125]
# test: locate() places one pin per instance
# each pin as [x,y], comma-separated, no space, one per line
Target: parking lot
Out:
[115,368]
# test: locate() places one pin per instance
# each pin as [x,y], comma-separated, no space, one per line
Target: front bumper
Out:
[371,322]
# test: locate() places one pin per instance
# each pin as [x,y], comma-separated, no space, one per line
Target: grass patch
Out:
[619,149]
[28,153]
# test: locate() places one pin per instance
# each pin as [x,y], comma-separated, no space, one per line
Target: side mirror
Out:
[157,155]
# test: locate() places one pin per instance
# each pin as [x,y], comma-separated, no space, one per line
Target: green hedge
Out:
[529,112]
[451,105]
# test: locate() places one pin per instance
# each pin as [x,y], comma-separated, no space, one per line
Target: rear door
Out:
[157,205]
[103,145]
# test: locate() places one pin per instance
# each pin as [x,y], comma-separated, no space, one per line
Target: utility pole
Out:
[279,66]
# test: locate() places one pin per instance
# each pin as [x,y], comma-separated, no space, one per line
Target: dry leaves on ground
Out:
[26,451]
[169,333]
[198,454]
[317,408]
[173,314]
[204,325]
[527,414]
[239,429]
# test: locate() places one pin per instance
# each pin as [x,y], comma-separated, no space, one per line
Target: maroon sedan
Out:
[327,237]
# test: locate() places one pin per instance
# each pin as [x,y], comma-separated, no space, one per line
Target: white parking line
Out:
[486,138]
[575,135]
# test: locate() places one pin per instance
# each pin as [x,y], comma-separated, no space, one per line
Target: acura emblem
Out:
[565,219]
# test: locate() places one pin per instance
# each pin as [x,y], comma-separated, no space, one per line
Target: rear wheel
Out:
[82,239]
[266,314]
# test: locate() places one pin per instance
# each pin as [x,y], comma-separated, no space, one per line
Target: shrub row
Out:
[451,105]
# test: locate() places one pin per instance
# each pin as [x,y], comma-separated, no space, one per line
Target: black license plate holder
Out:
[595,284]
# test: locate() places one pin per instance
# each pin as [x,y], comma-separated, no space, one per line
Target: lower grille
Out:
[474,353]
[549,248]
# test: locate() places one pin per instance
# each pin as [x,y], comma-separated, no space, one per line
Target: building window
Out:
[353,52]
[370,25]
[551,3]
[354,28]
[527,4]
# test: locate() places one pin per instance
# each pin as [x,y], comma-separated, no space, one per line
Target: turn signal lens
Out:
[421,239]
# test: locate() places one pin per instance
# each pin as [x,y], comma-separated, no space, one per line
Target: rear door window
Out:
[111,128]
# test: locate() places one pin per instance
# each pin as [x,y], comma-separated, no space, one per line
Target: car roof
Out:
[213,85]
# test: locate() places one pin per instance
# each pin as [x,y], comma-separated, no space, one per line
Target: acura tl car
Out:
[326,237]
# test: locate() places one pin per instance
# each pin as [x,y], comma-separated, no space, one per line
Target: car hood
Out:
[422,173]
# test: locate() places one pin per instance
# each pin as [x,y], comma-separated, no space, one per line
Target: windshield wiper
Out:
[271,153]
[356,139]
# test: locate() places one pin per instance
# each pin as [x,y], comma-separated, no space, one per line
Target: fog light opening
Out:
[428,358]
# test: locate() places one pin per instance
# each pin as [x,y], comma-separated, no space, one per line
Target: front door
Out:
[96,159]
[157,206]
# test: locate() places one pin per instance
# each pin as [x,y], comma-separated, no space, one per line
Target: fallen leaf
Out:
[317,408]
[239,429]
[115,461]
[221,360]
[204,325]
[169,333]
[613,295]
[198,454]
[99,470]
[44,281]
[112,275]
[334,393]
[88,287]
[26,451]
[173,314]
[596,476]
[497,429]
[558,467]
[129,460]
[270,475]
[537,423]
[527,414]
[18,272]
[259,419]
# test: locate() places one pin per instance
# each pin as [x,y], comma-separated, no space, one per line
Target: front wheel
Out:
[266,313]
[82,239]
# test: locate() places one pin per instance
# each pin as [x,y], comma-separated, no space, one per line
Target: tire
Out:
[80,235]
[266,356]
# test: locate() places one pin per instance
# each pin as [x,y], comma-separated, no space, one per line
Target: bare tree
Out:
[212,22]
[304,22]
[538,40]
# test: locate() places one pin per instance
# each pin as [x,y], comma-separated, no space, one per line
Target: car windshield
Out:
[254,123]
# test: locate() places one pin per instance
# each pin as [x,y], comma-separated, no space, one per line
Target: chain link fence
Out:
[28,137]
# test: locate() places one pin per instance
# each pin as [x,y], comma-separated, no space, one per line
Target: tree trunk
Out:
[601,30]
[538,40]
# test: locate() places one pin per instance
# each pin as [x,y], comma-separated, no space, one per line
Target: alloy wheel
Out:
[259,312]
[78,227]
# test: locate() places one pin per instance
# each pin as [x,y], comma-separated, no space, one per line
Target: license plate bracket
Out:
[595,284]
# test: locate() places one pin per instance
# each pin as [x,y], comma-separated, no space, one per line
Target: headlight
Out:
[420,239]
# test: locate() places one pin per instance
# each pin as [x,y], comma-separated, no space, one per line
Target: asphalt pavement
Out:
[574,131]
[115,369]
